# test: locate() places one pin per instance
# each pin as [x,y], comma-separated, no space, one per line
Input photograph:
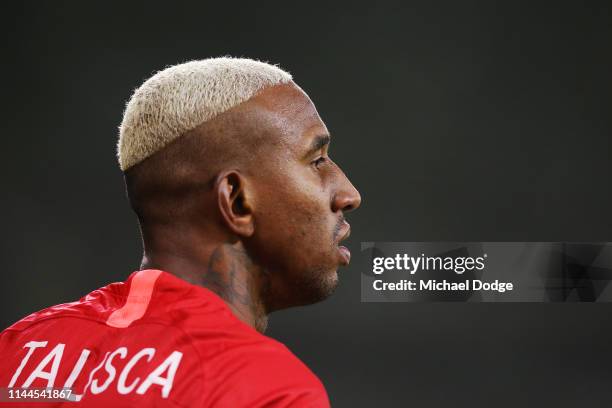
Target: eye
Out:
[318,162]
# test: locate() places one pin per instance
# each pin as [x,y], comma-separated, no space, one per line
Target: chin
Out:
[303,288]
[320,288]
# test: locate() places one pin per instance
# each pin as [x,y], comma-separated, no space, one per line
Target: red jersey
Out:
[154,340]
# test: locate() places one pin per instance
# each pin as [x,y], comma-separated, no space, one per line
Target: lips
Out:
[345,232]
[345,254]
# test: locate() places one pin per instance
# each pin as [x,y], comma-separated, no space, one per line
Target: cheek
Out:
[303,214]
[296,219]
[295,195]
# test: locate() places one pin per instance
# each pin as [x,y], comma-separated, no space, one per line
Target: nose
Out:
[346,198]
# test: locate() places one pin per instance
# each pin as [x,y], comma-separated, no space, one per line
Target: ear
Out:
[235,203]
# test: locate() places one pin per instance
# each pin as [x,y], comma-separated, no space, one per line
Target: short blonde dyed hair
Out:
[181,97]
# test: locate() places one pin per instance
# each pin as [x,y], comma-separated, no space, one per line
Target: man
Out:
[241,211]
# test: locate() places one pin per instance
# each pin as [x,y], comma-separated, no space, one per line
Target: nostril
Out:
[345,201]
[353,204]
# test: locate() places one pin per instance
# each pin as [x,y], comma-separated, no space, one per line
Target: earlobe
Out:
[234,202]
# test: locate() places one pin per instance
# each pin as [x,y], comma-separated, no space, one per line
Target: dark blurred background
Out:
[457,121]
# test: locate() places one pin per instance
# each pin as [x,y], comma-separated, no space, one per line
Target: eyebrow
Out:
[317,143]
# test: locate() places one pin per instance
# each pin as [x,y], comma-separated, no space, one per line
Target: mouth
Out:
[345,254]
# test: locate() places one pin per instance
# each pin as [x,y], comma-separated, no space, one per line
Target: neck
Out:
[225,269]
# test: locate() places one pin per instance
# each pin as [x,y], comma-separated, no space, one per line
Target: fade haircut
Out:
[181,97]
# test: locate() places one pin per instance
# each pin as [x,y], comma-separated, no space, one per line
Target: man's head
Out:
[232,151]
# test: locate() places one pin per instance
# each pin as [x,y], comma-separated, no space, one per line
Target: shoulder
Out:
[64,309]
[90,307]
[263,372]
